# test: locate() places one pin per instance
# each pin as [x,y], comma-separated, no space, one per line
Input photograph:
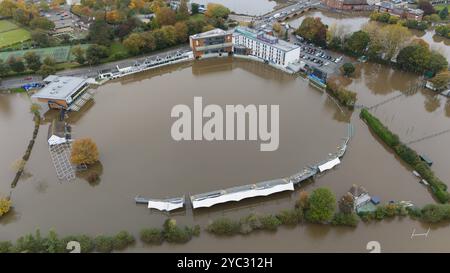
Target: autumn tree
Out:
[426,6]
[84,151]
[357,43]
[5,206]
[134,43]
[276,27]
[441,80]
[303,200]
[346,204]
[181,31]
[313,30]
[214,10]
[165,16]
[7,8]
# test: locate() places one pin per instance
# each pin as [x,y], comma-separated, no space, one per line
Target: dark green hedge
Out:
[438,188]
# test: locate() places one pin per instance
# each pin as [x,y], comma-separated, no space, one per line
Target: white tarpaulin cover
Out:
[55,140]
[239,195]
[165,205]
[329,165]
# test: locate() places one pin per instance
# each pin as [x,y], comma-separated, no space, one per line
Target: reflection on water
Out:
[131,126]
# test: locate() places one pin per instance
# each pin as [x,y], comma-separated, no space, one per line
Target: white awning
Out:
[329,165]
[165,205]
[237,196]
[55,140]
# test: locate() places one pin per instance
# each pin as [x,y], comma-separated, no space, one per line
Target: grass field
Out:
[441,7]
[6,25]
[13,37]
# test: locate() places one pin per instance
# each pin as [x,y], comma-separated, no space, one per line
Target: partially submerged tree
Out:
[84,151]
[441,80]
[5,206]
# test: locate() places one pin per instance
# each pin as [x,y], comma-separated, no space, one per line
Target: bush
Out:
[269,222]
[87,244]
[223,226]
[322,206]
[122,240]
[6,247]
[152,236]
[290,217]
[345,97]
[5,206]
[174,234]
[345,219]
[414,212]
[434,213]
[104,243]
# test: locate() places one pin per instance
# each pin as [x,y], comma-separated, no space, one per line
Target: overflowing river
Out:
[130,121]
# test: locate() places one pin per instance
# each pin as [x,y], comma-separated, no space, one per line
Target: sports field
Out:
[11,34]
[61,54]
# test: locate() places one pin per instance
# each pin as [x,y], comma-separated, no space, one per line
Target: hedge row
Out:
[170,233]
[439,189]
[36,243]
[247,224]
[345,97]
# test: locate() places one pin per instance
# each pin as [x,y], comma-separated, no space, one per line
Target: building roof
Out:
[210,33]
[241,192]
[329,164]
[355,2]
[265,38]
[59,87]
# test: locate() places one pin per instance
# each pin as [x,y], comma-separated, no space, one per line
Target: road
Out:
[89,71]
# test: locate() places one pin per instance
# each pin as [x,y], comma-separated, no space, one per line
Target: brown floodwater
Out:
[130,122]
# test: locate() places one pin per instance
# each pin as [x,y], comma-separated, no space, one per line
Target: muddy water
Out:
[130,121]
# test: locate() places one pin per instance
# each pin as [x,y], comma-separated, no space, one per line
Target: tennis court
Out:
[61,54]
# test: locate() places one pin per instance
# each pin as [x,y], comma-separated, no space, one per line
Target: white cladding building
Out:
[266,47]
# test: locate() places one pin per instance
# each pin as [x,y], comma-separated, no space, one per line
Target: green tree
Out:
[41,38]
[443,14]
[16,64]
[414,58]
[104,244]
[100,33]
[437,62]
[79,54]
[194,8]
[22,16]
[42,23]
[434,213]
[95,53]
[33,60]
[322,204]
[357,43]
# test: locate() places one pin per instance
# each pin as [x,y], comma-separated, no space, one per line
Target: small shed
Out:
[426,159]
[375,200]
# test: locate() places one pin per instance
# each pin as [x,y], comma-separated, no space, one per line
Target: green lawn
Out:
[6,25]
[14,36]
[441,7]
[197,16]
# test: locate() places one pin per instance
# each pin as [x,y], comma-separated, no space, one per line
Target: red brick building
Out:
[357,5]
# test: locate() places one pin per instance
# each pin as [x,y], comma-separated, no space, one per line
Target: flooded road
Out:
[130,121]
